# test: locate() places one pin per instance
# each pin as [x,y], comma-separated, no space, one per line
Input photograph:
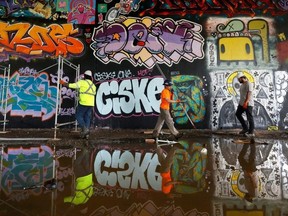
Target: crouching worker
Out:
[83,183]
[87,92]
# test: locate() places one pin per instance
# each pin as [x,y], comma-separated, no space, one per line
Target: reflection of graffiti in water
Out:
[26,167]
[191,169]
[147,208]
[183,168]
[188,89]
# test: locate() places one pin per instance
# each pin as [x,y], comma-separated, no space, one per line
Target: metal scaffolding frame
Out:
[4,94]
[61,62]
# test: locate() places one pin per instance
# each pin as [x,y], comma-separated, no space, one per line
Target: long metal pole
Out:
[6,101]
[57,97]
[2,95]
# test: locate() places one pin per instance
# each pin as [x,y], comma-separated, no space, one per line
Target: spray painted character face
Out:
[188,88]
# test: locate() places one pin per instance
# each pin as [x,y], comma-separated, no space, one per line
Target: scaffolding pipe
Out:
[5,90]
[66,123]
[70,64]
[61,62]
[57,97]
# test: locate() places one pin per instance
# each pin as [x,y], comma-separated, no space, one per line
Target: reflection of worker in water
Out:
[247,162]
[166,161]
[83,182]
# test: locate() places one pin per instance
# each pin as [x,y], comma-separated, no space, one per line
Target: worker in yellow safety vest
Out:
[87,92]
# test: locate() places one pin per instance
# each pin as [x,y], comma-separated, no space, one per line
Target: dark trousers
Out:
[249,115]
[83,116]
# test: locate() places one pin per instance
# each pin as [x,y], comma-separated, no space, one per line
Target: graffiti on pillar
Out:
[32,41]
[29,95]
[147,41]
[225,97]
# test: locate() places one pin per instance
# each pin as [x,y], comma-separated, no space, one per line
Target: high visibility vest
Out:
[83,192]
[87,91]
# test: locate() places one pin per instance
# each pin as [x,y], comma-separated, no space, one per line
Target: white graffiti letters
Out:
[128,96]
[127,170]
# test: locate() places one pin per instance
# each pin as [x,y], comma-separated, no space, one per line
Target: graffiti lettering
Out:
[34,41]
[30,95]
[145,72]
[133,171]
[140,44]
[118,193]
[101,76]
[27,71]
[228,7]
[128,96]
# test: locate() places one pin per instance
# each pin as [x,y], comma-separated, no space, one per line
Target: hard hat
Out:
[167,83]
[240,74]
[88,73]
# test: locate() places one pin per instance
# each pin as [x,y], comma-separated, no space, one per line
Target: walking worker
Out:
[87,92]
[246,104]
[164,116]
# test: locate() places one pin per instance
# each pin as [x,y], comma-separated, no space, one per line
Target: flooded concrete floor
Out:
[116,172]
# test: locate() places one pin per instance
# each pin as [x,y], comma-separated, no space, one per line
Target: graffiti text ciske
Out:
[127,170]
[35,41]
[164,41]
[128,96]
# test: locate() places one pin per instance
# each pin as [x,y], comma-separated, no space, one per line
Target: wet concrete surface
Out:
[116,172]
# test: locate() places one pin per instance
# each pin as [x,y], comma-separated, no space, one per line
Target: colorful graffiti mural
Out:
[199,47]
[148,41]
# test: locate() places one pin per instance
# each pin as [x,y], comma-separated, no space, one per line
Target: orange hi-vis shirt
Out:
[168,95]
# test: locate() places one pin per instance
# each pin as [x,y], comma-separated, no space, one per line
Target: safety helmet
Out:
[88,73]
[167,83]
[240,74]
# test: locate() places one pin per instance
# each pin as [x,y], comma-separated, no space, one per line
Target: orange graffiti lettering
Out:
[22,38]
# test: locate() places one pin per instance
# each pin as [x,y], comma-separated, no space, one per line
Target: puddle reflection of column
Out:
[1,165]
[54,176]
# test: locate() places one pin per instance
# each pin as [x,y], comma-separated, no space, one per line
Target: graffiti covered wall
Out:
[131,47]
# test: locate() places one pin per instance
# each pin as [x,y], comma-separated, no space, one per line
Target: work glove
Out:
[62,82]
[245,105]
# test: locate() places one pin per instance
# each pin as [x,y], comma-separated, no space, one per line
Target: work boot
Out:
[84,133]
[244,131]
[179,135]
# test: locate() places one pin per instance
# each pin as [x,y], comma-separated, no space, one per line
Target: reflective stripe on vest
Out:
[90,87]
